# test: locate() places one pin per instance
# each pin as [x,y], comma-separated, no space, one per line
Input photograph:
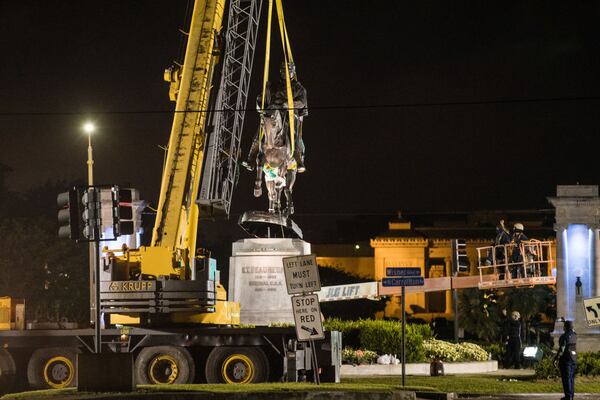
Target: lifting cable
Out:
[287,59]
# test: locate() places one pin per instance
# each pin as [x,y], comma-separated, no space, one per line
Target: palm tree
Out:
[479,314]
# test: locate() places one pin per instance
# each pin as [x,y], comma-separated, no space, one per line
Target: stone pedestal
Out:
[257,280]
[577,256]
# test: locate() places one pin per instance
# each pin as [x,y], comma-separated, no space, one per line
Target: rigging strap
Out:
[287,59]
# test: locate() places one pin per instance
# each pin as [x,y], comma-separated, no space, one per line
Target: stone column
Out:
[577,254]
[596,282]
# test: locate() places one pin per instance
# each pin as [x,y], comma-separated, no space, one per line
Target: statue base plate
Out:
[263,224]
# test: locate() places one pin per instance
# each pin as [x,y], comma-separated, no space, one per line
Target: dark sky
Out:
[82,59]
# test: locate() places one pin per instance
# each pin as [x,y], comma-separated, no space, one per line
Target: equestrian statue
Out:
[277,155]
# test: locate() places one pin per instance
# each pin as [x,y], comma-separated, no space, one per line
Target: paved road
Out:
[534,396]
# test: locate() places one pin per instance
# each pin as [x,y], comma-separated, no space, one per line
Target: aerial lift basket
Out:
[512,265]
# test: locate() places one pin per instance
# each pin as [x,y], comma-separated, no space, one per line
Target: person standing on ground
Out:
[567,360]
[513,342]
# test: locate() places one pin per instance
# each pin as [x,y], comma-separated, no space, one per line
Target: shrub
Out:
[350,331]
[496,350]
[351,356]
[472,352]
[424,330]
[382,337]
[438,349]
[588,364]
[385,337]
[546,369]
[452,352]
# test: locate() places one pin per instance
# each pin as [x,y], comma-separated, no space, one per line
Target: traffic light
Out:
[107,208]
[124,211]
[68,215]
[93,213]
[90,215]
[460,258]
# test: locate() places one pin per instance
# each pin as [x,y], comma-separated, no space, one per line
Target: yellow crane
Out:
[169,277]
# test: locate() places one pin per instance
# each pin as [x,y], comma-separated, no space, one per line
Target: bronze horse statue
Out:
[276,162]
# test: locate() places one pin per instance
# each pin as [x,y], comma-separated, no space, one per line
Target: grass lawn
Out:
[458,384]
[486,384]
[261,387]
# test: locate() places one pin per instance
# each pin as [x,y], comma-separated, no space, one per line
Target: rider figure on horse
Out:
[276,98]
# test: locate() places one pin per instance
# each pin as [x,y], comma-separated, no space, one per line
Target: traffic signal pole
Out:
[454,292]
[94,254]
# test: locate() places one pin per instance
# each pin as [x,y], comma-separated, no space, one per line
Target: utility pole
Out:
[94,247]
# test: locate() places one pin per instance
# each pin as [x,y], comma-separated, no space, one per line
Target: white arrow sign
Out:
[592,311]
[307,315]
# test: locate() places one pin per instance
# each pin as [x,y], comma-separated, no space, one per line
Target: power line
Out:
[323,107]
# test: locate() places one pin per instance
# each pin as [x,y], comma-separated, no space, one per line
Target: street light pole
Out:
[90,160]
[94,251]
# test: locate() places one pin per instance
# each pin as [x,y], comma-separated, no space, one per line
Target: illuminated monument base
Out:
[577,259]
[257,281]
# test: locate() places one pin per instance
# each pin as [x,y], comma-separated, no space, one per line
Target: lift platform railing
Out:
[527,263]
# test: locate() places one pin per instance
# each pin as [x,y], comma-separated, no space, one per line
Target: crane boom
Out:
[177,216]
[169,278]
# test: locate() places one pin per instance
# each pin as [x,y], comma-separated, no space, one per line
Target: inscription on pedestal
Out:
[257,279]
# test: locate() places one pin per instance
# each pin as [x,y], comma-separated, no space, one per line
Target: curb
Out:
[519,396]
[437,396]
[301,395]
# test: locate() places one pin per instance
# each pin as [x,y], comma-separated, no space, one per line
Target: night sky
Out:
[487,104]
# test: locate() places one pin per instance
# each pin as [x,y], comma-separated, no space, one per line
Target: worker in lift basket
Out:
[567,360]
[276,98]
[518,236]
[502,238]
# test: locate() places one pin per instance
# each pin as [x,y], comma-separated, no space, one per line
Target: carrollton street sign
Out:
[592,311]
[414,281]
[401,271]
[301,274]
[307,315]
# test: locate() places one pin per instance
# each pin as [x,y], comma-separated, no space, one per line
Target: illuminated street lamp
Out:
[90,128]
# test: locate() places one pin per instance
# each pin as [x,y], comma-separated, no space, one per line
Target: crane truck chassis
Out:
[46,358]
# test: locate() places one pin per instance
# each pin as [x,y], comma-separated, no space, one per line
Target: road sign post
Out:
[302,278]
[404,276]
[403,356]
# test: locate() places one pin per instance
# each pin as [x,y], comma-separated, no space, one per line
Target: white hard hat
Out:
[518,227]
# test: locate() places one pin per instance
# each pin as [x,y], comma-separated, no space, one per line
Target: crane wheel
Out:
[237,365]
[8,370]
[162,365]
[52,368]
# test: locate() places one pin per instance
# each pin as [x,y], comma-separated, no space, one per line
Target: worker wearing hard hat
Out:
[513,342]
[518,237]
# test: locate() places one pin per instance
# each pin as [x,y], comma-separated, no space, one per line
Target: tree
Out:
[51,274]
[480,311]
[479,315]
[531,303]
